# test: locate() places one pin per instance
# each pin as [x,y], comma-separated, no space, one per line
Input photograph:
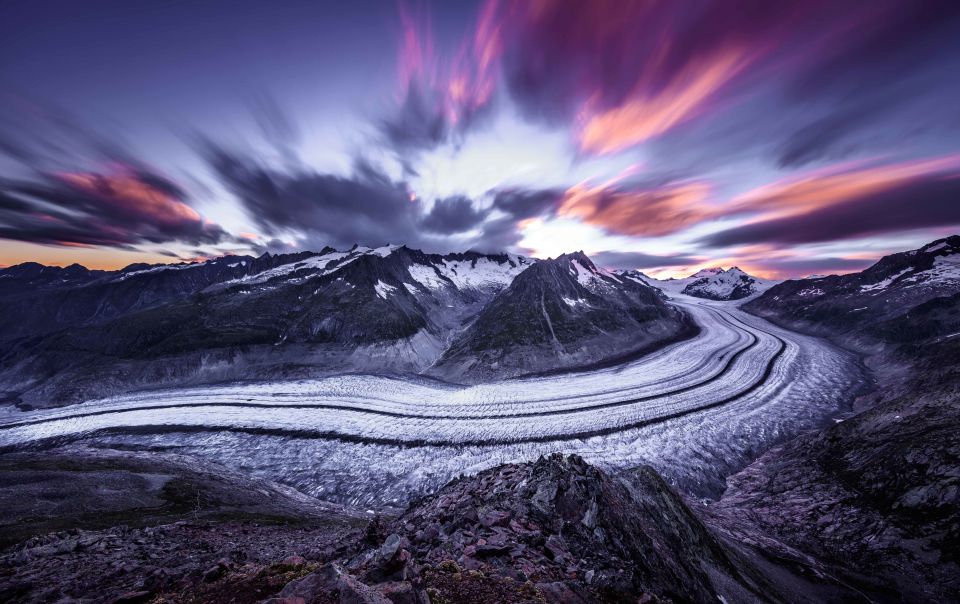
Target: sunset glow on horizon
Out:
[788,139]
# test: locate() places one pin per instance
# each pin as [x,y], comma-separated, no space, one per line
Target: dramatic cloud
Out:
[366,207]
[61,199]
[453,215]
[639,260]
[442,98]
[526,203]
[826,136]
[854,203]
[811,266]
[645,212]
[121,209]
[631,72]
[514,125]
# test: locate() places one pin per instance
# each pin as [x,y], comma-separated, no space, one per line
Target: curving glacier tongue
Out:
[696,410]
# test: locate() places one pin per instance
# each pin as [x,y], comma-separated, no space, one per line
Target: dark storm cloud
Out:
[366,207]
[61,200]
[497,235]
[453,215]
[827,137]
[639,260]
[917,203]
[526,203]
[417,124]
[120,210]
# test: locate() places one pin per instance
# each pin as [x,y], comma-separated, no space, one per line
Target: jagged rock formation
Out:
[562,312]
[555,530]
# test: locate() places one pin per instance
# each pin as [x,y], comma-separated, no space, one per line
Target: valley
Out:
[674,409]
[712,434]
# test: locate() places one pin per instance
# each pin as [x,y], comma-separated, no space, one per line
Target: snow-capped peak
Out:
[719,284]
[707,272]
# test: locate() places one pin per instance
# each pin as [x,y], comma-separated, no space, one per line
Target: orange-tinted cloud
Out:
[842,203]
[128,194]
[642,212]
[649,113]
[837,184]
[441,97]
[122,208]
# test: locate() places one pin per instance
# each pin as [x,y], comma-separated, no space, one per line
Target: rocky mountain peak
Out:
[719,284]
[706,272]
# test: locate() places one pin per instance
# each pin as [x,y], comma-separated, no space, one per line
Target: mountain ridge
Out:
[389,309]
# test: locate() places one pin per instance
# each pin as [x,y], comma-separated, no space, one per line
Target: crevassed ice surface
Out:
[696,411]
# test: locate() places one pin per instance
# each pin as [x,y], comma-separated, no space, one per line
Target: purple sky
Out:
[786,137]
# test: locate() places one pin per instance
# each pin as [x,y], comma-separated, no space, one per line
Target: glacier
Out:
[696,411]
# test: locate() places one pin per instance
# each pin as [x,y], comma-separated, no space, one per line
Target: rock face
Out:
[389,309]
[555,530]
[879,493]
[37,299]
[849,304]
[562,312]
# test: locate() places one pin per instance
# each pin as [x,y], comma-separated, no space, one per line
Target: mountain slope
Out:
[846,304]
[37,299]
[878,492]
[388,309]
[731,284]
[562,312]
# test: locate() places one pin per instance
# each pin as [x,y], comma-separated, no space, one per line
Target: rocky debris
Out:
[89,488]
[180,562]
[179,530]
[555,530]
[877,496]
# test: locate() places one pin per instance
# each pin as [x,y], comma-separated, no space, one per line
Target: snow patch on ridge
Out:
[886,282]
[384,289]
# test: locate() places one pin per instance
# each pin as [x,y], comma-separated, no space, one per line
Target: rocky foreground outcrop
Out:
[554,530]
[557,530]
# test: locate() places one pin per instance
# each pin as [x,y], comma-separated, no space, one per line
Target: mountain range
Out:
[865,508]
[71,334]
